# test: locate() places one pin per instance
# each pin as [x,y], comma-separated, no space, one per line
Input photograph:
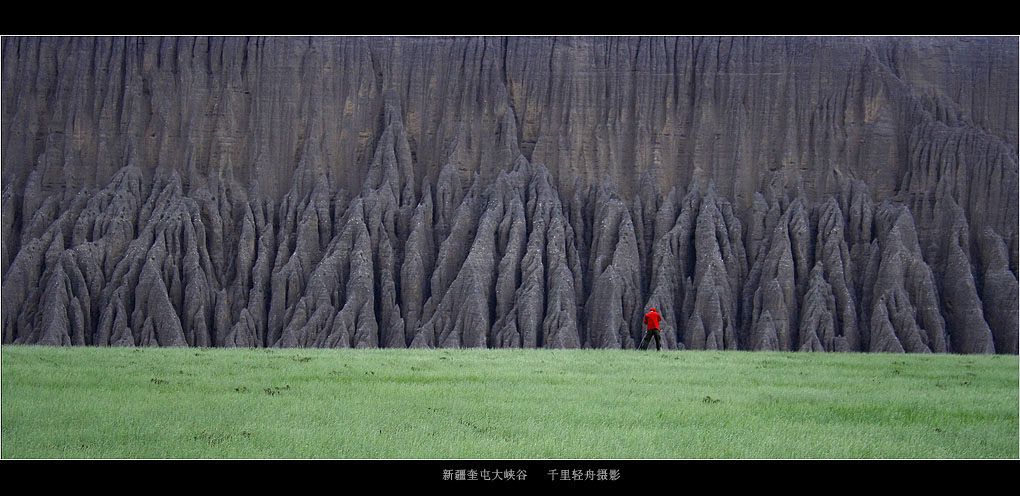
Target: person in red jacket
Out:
[652,319]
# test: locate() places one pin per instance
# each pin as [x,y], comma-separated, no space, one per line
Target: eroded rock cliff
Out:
[813,194]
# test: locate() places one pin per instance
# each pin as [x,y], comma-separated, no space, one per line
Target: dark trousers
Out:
[651,333]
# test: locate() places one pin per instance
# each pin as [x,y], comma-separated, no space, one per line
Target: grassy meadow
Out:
[117,403]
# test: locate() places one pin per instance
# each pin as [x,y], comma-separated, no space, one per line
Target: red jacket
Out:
[652,319]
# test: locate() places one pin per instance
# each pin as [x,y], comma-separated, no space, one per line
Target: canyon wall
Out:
[763,193]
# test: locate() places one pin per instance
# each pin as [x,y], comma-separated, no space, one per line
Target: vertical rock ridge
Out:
[612,311]
[835,267]
[999,293]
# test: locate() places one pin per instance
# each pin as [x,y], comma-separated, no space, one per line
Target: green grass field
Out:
[74,403]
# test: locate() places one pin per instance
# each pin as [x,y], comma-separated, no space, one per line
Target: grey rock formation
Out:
[830,194]
[999,293]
